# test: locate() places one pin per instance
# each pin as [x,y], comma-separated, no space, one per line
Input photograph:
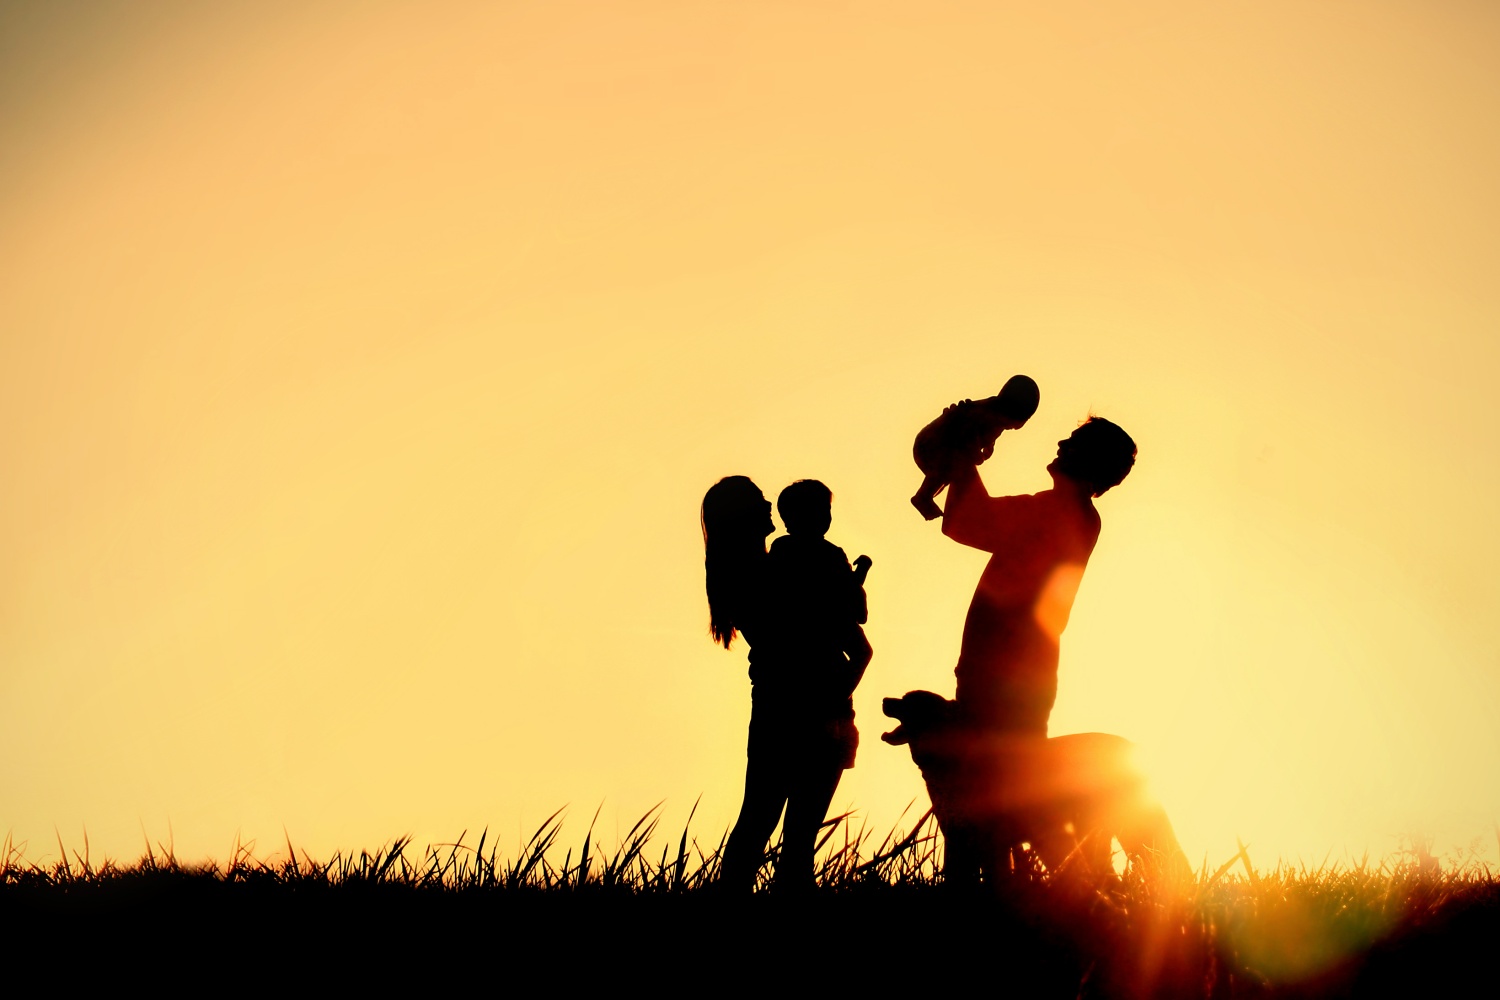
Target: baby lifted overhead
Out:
[965,433]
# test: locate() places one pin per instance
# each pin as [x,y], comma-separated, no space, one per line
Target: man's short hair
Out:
[1102,455]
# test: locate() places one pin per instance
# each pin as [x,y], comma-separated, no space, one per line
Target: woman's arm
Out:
[859,651]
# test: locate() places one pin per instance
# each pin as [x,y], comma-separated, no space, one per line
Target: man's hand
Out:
[953,406]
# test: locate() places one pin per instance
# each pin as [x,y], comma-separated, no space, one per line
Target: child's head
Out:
[1098,454]
[806,508]
[1018,399]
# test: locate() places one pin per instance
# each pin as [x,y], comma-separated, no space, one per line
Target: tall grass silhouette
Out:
[1403,924]
[900,858]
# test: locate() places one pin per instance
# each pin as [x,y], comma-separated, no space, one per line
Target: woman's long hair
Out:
[734,519]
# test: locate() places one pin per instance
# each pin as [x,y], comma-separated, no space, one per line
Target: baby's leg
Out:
[924,500]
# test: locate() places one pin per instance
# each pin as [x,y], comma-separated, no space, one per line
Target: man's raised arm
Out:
[992,523]
[964,512]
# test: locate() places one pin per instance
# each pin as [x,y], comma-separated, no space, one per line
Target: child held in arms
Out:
[824,597]
[964,435]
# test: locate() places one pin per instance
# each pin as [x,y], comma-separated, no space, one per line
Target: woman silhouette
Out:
[799,741]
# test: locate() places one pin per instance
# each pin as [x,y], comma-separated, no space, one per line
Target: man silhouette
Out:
[1007,665]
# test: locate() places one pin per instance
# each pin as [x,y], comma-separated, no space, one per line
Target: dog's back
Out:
[990,793]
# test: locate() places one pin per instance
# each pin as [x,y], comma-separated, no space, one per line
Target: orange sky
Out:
[362,367]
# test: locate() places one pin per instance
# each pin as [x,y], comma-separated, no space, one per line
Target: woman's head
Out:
[735,508]
[736,519]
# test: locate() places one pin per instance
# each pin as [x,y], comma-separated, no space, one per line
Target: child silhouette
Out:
[823,598]
[964,435]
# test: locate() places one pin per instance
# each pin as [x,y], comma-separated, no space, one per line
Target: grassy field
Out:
[646,911]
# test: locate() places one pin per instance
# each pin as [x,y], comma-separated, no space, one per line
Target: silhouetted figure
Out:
[964,434]
[822,596]
[986,751]
[802,733]
[1066,797]
[1007,665]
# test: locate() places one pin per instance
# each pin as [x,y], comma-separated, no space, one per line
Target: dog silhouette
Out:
[1006,801]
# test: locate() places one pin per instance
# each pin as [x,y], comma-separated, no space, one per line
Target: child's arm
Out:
[995,422]
[862,566]
[859,606]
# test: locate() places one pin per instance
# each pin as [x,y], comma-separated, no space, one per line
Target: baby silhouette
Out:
[965,433]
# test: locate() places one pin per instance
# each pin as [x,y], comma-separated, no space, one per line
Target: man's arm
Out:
[972,517]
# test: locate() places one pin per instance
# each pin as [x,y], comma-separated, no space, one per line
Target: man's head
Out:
[806,508]
[1098,454]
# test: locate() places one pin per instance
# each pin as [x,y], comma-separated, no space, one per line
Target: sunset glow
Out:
[362,368]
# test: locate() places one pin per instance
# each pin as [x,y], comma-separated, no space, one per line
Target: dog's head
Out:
[921,713]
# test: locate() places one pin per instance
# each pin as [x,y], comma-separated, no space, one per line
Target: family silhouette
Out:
[800,606]
[1001,789]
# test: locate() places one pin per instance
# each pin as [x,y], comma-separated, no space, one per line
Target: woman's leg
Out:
[765,795]
[812,791]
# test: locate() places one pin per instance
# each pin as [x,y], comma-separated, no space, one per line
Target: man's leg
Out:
[961,858]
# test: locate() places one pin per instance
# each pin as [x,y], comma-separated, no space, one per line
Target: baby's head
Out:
[806,508]
[1016,401]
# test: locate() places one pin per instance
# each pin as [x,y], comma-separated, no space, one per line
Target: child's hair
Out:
[1101,456]
[804,506]
[734,539]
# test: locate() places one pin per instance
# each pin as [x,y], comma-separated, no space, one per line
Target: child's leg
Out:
[858,649]
[924,500]
[860,652]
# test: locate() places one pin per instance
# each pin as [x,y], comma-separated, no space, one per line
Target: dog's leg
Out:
[962,858]
[1148,839]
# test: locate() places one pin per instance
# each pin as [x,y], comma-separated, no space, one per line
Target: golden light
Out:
[361,371]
